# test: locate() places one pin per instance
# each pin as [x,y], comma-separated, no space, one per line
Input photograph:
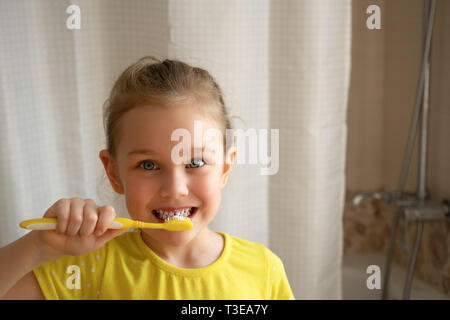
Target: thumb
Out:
[108,235]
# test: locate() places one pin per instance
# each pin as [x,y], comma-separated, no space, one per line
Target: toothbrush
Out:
[175,223]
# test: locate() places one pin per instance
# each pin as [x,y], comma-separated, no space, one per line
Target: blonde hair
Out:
[150,80]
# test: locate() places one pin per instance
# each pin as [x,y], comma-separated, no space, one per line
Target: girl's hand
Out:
[82,227]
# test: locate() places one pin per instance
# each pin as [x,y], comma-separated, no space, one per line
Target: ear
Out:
[111,171]
[230,156]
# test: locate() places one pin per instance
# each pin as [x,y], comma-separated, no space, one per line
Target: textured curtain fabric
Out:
[282,65]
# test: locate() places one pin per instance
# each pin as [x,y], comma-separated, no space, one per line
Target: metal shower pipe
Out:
[421,110]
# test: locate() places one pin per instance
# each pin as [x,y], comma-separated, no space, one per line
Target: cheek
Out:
[206,188]
[138,194]
[211,196]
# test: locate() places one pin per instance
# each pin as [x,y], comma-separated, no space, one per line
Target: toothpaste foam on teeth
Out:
[166,215]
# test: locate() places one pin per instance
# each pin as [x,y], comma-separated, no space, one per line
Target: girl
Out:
[83,259]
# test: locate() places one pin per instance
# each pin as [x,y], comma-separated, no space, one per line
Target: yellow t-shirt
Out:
[126,268]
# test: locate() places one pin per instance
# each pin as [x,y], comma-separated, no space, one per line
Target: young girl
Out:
[83,259]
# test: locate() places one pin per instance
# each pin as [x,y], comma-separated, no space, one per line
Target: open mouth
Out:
[163,215]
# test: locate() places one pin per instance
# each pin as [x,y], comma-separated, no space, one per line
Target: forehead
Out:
[151,127]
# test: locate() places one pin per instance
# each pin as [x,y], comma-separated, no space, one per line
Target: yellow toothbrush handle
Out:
[124,223]
[50,224]
[118,223]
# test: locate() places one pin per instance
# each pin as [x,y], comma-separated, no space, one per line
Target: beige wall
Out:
[385,72]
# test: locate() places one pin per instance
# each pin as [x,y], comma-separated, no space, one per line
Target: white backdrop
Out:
[281,64]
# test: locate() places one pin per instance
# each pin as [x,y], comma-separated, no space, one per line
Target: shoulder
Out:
[246,250]
[96,257]
[57,278]
[125,241]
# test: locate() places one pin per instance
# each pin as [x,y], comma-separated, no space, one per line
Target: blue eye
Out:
[146,166]
[197,161]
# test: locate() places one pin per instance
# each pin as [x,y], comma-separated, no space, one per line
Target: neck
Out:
[205,248]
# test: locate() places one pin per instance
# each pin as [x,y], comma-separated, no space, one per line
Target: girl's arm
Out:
[81,227]
[17,260]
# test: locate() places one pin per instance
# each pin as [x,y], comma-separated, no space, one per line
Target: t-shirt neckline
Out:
[164,265]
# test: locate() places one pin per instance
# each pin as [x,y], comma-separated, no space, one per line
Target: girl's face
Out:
[149,178]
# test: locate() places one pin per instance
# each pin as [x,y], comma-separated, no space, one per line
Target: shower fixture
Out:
[415,208]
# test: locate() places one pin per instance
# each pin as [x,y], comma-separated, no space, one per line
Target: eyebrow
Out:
[152,152]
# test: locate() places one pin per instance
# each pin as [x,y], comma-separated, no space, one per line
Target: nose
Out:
[174,184]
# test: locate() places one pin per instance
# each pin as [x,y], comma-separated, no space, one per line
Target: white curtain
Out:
[282,65]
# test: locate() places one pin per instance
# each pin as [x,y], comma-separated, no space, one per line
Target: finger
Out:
[90,217]
[76,216]
[106,215]
[60,210]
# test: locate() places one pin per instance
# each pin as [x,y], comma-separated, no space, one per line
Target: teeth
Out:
[181,213]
